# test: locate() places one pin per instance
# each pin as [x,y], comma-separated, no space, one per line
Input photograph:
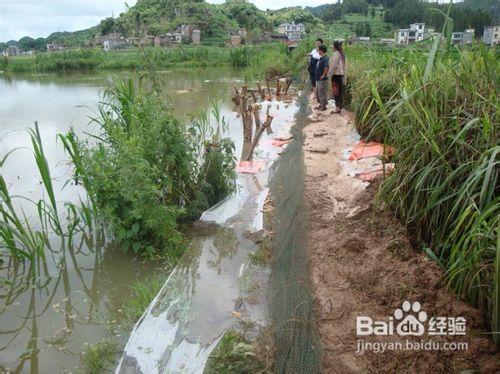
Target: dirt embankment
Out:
[363,264]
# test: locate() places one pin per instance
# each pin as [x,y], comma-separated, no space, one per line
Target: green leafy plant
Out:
[147,173]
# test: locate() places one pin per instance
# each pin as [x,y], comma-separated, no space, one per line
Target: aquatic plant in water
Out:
[17,233]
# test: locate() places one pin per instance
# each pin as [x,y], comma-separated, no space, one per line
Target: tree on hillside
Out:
[463,18]
[406,12]
[216,30]
[362,29]
[27,44]
[246,14]
[330,12]
[355,6]
[294,14]
[107,26]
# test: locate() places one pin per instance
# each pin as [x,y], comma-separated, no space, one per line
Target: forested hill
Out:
[364,17]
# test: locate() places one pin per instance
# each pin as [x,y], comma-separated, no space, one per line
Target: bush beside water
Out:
[148,172]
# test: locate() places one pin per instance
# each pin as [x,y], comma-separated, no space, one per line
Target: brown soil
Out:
[362,264]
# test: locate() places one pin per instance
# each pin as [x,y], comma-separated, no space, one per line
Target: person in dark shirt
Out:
[313,62]
[322,77]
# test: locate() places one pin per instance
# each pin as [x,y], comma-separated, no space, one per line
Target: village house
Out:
[415,33]
[294,32]
[464,37]
[362,39]
[115,44]
[54,47]
[196,36]
[491,35]
[11,50]
[99,40]
[238,37]
[183,34]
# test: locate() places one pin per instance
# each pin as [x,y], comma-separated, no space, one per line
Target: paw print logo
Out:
[411,319]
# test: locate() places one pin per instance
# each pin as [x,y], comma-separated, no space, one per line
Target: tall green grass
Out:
[440,111]
[18,235]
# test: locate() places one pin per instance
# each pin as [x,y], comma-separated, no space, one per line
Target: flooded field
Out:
[77,299]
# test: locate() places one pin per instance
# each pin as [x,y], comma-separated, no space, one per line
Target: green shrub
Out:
[269,60]
[147,172]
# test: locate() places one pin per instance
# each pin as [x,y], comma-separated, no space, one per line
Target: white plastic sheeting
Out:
[188,317]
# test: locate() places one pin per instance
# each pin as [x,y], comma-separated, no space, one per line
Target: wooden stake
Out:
[261,91]
[256,115]
[259,133]
[288,84]
[268,88]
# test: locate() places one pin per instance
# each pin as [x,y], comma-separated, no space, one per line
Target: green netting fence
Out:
[292,305]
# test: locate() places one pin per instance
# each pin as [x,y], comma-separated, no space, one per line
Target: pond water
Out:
[78,299]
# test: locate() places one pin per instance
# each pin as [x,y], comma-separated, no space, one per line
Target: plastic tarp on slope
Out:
[191,313]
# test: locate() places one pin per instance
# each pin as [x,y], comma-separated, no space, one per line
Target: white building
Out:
[293,31]
[464,37]
[420,30]
[416,33]
[11,50]
[115,44]
[491,35]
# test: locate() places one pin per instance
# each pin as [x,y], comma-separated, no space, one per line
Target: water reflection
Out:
[55,315]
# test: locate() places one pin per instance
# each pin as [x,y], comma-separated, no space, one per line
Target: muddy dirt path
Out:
[363,264]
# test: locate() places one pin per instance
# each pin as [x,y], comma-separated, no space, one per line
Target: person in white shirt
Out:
[313,61]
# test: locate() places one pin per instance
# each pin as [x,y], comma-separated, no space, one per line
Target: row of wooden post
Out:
[250,117]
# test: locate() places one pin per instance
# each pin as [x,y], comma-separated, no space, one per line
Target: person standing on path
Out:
[337,72]
[313,62]
[322,78]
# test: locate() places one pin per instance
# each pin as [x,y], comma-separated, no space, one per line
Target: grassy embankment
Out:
[441,114]
[132,59]
[438,106]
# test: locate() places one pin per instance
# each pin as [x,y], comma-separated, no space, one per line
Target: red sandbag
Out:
[372,149]
[280,143]
[250,167]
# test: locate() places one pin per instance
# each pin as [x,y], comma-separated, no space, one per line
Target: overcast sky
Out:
[39,18]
